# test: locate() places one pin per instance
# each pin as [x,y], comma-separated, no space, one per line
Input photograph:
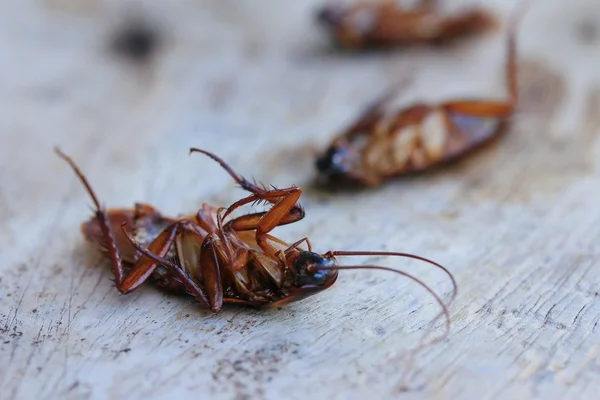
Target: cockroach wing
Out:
[469,132]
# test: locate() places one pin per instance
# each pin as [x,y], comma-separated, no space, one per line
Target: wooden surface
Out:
[255,82]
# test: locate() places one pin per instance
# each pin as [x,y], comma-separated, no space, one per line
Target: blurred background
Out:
[126,87]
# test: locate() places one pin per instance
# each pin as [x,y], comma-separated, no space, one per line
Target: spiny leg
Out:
[258,193]
[281,198]
[145,266]
[101,216]
[161,245]
[249,238]
[285,211]
[189,284]
[239,179]
[296,244]
[281,213]
[498,109]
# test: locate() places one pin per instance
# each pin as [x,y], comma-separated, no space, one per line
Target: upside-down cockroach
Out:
[384,23]
[384,143]
[219,259]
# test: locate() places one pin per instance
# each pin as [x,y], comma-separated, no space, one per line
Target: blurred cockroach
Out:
[385,23]
[220,260]
[385,143]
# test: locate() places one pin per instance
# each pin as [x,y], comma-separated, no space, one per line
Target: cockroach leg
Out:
[282,198]
[497,109]
[285,210]
[272,239]
[295,245]
[262,194]
[101,216]
[219,215]
[144,266]
[189,284]
[239,179]
[161,245]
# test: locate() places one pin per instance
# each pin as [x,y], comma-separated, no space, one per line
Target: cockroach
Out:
[384,143]
[369,24]
[219,259]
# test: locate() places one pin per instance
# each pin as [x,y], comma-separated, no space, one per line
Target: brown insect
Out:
[368,24]
[219,259]
[382,144]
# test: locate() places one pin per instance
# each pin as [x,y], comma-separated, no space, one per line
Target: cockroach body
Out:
[218,259]
[385,143]
[386,23]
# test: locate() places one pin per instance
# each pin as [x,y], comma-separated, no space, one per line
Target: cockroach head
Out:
[342,163]
[331,15]
[333,161]
[354,20]
[313,270]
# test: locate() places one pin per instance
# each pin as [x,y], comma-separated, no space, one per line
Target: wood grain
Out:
[255,82]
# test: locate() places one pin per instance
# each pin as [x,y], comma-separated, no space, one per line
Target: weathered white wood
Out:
[253,81]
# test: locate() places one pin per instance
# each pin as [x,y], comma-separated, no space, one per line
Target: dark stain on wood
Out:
[247,371]
[137,40]
[587,31]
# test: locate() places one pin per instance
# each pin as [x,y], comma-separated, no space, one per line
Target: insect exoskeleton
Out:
[372,24]
[218,258]
[385,142]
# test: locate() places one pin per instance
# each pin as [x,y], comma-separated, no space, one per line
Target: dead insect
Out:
[220,260]
[385,23]
[385,143]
